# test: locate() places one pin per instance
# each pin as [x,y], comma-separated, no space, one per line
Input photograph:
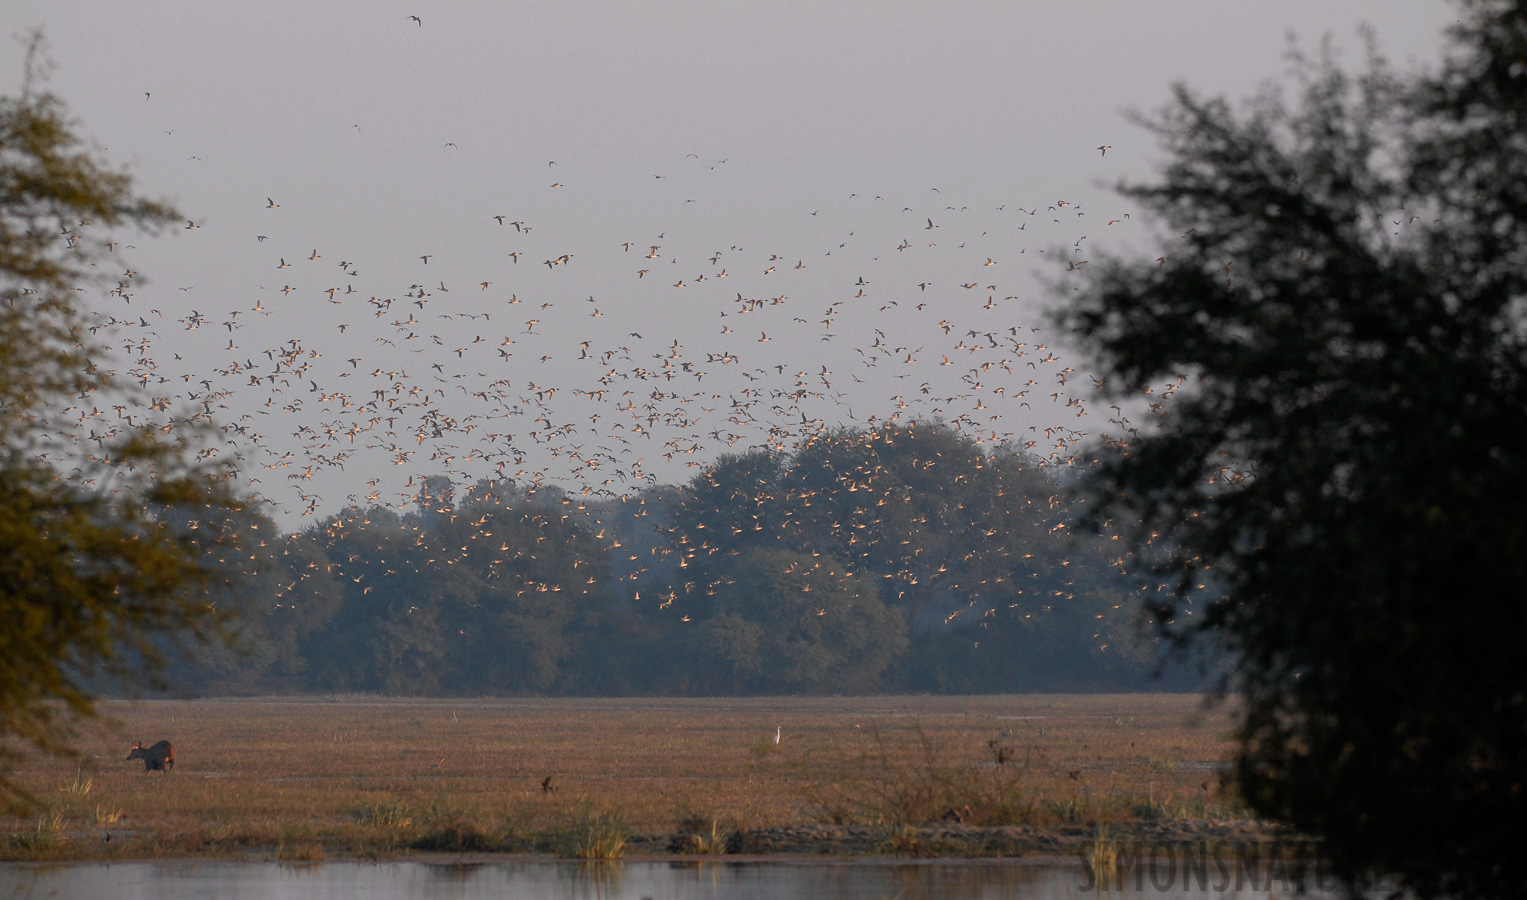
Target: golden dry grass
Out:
[305,778]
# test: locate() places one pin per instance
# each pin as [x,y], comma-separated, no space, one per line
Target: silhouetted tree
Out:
[1333,492]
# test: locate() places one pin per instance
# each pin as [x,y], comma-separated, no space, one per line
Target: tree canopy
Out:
[1338,309]
[798,570]
[113,532]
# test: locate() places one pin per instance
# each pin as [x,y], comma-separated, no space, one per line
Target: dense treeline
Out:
[901,558]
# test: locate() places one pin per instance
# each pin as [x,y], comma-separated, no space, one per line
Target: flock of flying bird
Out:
[604,366]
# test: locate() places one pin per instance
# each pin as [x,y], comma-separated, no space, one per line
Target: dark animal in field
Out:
[955,816]
[160,757]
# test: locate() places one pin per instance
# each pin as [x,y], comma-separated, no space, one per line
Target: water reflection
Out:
[677,880]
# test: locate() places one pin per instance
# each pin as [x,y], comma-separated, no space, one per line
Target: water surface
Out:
[658,880]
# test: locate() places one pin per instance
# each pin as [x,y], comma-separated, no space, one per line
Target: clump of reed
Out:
[1101,853]
[79,785]
[393,814]
[45,835]
[591,837]
[696,836]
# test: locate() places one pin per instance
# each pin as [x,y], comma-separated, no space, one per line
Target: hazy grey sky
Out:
[825,134]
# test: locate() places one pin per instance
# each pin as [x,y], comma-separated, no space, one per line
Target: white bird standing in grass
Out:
[776,734]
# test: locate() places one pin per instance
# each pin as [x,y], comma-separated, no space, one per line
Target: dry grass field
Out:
[363,776]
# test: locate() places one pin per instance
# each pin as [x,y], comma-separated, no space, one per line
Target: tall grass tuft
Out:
[79,785]
[698,838]
[1150,809]
[105,816]
[385,815]
[1069,810]
[900,840]
[1102,853]
[592,838]
[48,834]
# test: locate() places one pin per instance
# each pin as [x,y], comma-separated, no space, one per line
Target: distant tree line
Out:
[904,558]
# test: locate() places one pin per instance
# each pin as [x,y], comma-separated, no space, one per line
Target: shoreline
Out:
[1069,844]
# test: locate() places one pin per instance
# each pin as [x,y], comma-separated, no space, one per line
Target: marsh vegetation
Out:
[369,777]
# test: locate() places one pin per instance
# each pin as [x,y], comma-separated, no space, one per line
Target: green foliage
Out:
[497,597]
[788,622]
[938,521]
[753,578]
[972,548]
[1331,493]
[114,533]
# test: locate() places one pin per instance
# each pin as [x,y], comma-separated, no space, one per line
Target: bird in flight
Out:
[419,20]
[1103,150]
